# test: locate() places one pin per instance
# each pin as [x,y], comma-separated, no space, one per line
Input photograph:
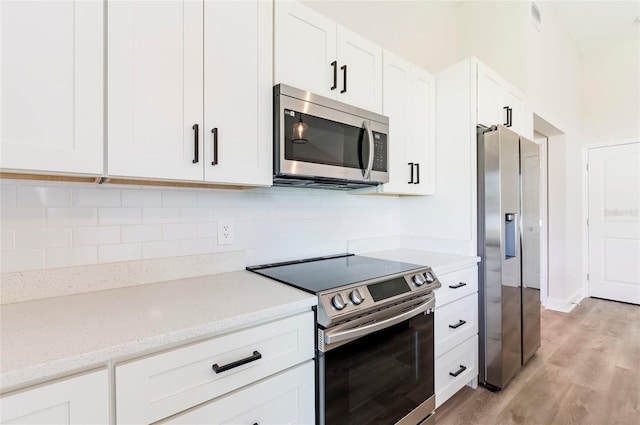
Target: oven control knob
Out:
[418,280]
[338,302]
[356,296]
[430,277]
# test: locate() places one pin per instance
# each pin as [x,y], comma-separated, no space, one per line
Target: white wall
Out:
[53,225]
[422,32]
[610,93]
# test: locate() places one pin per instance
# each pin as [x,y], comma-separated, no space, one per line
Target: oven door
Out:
[378,372]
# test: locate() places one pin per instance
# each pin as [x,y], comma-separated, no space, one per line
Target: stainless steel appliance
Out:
[323,143]
[374,360]
[509,246]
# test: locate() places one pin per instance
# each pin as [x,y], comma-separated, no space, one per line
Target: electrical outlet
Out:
[225,232]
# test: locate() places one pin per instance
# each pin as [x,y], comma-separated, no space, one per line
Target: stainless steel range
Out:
[375,337]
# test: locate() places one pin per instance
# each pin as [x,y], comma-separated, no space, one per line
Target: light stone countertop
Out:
[438,261]
[49,338]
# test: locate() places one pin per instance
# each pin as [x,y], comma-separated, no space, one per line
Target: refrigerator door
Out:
[530,181]
[499,247]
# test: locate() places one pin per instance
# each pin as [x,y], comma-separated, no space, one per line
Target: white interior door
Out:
[614,222]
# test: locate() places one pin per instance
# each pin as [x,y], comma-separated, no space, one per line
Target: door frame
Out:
[585,203]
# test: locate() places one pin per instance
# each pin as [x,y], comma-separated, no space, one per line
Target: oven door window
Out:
[379,378]
[321,141]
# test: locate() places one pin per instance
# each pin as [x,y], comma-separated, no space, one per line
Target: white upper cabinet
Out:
[155,89]
[177,71]
[314,53]
[408,101]
[498,102]
[238,96]
[52,86]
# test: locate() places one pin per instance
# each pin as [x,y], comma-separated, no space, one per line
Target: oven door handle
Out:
[332,336]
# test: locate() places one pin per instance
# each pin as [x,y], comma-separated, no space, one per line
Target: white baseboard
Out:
[567,305]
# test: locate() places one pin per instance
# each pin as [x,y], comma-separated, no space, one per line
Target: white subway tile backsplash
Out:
[160,215]
[179,231]
[48,237]
[141,233]
[196,215]
[7,239]
[70,257]
[8,195]
[42,196]
[161,249]
[141,198]
[119,252]
[101,196]
[124,215]
[21,260]
[72,217]
[179,198]
[95,235]
[18,218]
[202,246]
[207,230]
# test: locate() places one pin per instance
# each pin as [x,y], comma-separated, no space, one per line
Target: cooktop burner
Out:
[319,274]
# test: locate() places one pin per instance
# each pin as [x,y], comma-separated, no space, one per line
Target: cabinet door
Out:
[420,144]
[238,92]
[79,400]
[155,86]
[286,398]
[305,47]
[514,102]
[52,86]
[490,104]
[359,71]
[396,85]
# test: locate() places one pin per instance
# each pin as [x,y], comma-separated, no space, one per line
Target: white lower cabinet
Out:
[165,384]
[456,333]
[286,398]
[81,399]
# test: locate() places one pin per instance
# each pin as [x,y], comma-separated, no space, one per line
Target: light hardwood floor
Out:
[586,372]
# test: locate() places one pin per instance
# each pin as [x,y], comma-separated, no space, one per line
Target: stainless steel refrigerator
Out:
[509,248]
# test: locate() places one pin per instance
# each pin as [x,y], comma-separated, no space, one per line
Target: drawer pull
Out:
[458,372]
[459,285]
[219,369]
[457,325]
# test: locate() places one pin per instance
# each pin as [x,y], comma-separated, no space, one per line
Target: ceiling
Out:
[596,24]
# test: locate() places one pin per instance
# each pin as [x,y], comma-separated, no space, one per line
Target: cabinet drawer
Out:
[164,384]
[462,361]
[455,322]
[286,398]
[456,285]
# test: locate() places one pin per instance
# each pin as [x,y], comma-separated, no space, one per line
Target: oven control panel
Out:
[341,303]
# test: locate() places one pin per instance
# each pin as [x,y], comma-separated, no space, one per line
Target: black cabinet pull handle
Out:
[417,173]
[411,168]
[457,325]
[344,77]
[215,146]
[458,372]
[219,369]
[334,64]
[459,285]
[506,108]
[196,155]
[510,116]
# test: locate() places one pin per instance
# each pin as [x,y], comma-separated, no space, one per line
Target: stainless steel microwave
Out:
[323,143]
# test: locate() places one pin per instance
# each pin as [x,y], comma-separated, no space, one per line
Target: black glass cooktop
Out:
[319,274]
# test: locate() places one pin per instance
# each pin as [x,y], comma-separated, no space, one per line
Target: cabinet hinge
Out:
[587,276]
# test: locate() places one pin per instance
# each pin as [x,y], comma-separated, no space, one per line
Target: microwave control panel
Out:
[380,152]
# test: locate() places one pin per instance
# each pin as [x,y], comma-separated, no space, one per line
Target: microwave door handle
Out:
[367,171]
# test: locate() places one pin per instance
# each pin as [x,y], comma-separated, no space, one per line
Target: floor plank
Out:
[586,372]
